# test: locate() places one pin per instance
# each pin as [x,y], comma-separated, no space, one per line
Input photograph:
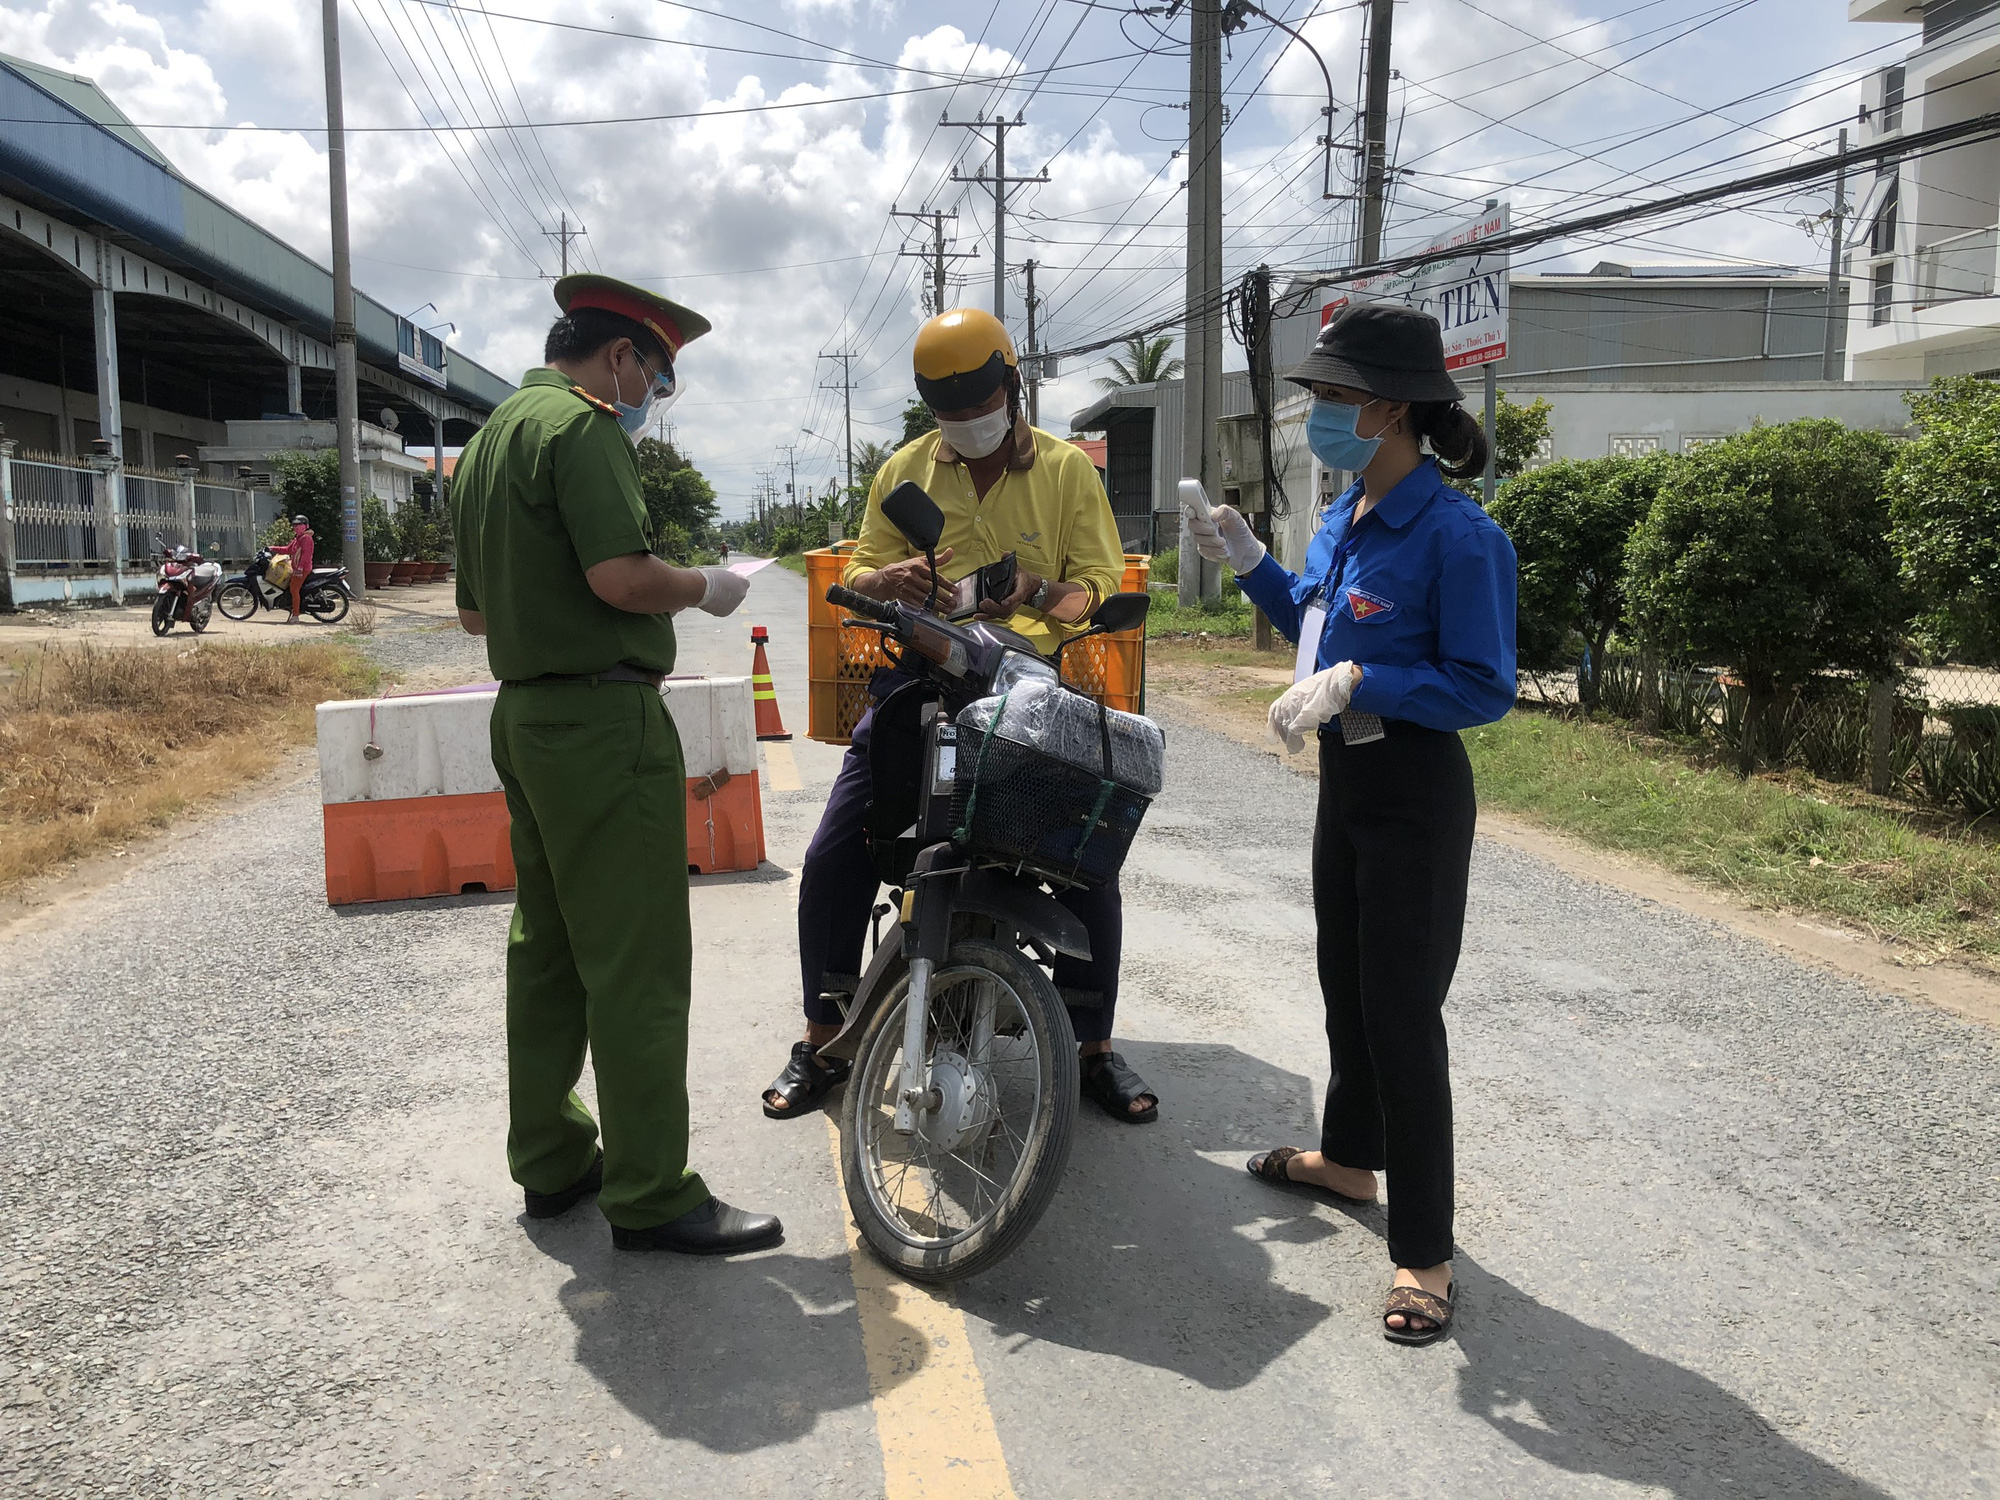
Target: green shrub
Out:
[1944,501]
[378,532]
[308,484]
[1769,553]
[1569,522]
[1166,567]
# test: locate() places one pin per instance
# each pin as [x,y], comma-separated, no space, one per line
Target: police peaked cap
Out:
[669,322]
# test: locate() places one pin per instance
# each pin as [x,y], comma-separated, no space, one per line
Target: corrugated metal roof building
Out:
[141,309]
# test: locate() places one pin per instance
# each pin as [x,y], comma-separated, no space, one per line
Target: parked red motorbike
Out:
[186,589]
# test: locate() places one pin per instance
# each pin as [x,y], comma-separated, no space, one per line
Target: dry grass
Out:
[362,619]
[100,745]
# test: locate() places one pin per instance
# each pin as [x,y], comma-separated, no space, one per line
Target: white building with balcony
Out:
[1924,247]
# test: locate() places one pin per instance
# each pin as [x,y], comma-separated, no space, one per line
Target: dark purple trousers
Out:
[838,888]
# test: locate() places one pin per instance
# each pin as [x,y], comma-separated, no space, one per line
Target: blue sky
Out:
[769,209]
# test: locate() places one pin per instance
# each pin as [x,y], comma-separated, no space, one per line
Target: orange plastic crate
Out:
[1110,668]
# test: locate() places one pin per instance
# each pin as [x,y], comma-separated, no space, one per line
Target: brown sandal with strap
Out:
[1275,1166]
[1415,1302]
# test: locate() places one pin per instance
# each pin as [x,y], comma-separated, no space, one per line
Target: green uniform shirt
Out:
[548,488]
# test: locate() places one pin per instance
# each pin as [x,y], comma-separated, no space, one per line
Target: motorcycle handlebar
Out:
[845,598]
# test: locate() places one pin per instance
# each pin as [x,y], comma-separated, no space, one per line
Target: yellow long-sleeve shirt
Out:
[1050,512]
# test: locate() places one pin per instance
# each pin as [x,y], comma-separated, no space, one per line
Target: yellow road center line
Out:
[931,1417]
[784,770]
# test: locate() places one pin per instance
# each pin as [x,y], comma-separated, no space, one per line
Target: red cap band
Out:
[648,317]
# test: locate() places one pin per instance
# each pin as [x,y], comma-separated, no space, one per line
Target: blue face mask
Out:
[633,419]
[1331,436]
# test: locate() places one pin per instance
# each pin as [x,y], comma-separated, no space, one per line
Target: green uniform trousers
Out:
[599,951]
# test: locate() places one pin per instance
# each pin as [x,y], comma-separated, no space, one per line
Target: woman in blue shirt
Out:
[1404,617]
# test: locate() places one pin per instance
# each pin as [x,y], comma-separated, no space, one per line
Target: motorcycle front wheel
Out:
[959,1193]
[328,606]
[163,614]
[236,601]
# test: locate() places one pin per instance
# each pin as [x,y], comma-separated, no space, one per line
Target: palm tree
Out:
[1145,361]
[868,459]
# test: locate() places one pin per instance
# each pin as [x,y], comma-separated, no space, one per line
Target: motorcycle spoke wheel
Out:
[960,1191]
[236,602]
[329,606]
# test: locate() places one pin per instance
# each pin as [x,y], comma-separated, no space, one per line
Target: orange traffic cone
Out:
[769,725]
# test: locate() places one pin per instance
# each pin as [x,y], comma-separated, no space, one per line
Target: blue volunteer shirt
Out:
[1420,596]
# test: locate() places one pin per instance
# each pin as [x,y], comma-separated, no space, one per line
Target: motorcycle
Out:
[186,589]
[326,595]
[956,1121]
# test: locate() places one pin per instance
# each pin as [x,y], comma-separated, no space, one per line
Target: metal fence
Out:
[225,522]
[152,509]
[57,523]
[63,517]
[1933,737]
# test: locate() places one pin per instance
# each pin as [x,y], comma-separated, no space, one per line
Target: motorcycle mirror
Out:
[911,511]
[1121,612]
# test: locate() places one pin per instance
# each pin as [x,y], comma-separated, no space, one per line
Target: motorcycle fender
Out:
[1028,910]
[883,971]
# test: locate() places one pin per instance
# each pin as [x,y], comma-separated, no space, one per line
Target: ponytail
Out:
[1457,440]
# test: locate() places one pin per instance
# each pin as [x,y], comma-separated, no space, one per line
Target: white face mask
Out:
[978,437]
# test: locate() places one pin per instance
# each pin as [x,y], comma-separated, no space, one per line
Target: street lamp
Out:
[1234,18]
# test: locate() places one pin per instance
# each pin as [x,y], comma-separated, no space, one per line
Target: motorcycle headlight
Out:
[1017,667]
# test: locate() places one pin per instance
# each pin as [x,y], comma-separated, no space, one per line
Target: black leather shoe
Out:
[713,1229]
[548,1205]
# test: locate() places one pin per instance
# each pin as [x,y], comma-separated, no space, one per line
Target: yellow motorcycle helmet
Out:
[962,357]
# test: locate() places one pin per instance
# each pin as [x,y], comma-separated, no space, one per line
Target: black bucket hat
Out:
[1384,348]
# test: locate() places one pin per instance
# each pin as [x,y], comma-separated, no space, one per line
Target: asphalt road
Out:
[1726,1223]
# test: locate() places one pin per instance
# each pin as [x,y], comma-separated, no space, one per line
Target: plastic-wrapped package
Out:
[1048,717]
[1031,789]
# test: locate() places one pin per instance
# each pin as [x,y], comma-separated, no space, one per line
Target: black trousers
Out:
[1392,850]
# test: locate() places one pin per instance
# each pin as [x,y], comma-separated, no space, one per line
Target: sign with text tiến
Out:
[1465,290]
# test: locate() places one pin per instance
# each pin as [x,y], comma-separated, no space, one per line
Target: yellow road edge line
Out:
[784,770]
[931,1418]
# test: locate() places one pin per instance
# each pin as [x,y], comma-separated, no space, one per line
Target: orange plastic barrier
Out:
[725,829]
[417,846]
[1111,668]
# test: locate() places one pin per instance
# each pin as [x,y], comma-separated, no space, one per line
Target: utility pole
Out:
[1034,351]
[346,398]
[1202,390]
[1375,129]
[792,462]
[1001,182]
[1263,393]
[937,255]
[563,236]
[847,401]
[1829,360]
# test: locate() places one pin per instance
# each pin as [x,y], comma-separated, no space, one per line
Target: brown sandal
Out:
[1274,1166]
[1415,1302]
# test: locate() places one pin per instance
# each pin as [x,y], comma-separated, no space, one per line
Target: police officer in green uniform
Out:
[555,570]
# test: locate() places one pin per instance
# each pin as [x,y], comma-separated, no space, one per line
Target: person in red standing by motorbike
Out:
[300,550]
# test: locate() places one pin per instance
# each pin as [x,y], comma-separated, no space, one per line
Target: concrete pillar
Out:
[184,498]
[110,426]
[104,328]
[1881,738]
[6,523]
[295,398]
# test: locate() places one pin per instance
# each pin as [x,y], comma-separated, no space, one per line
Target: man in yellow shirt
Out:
[1003,487]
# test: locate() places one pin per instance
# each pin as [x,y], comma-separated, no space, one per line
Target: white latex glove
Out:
[1219,532]
[1201,526]
[1241,546]
[724,592]
[1307,704]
